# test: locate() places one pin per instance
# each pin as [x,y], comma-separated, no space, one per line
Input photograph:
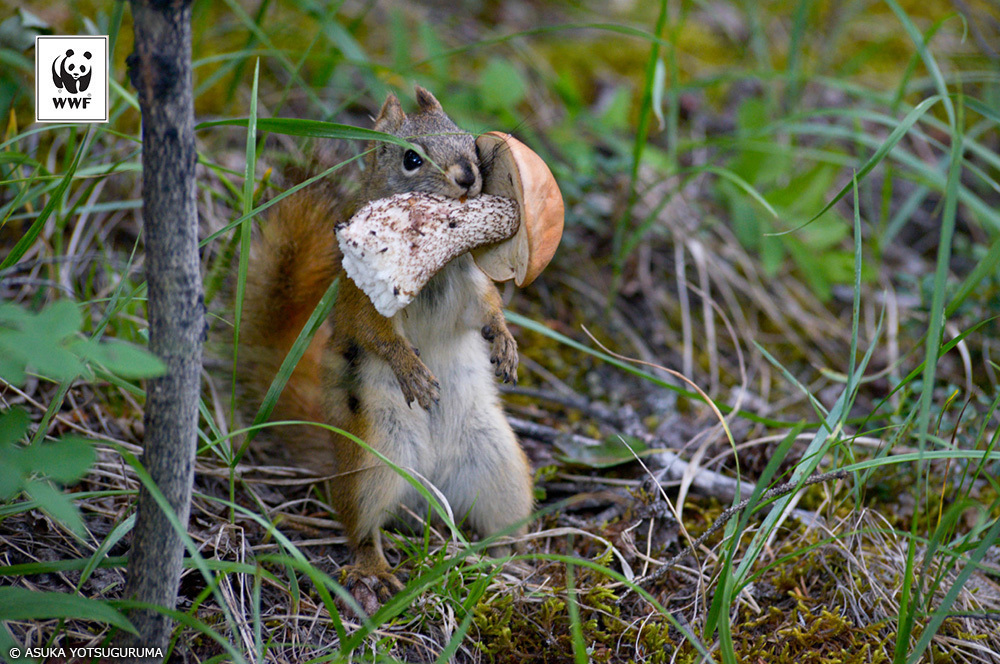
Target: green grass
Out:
[825,174]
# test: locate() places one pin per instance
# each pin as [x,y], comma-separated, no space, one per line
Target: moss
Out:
[543,633]
[493,618]
[805,636]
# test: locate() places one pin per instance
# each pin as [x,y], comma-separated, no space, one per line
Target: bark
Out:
[160,69]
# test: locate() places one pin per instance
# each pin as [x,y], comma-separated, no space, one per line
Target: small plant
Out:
[38,468]
[49,343]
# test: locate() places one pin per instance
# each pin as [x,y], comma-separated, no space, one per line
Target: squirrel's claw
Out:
[420,385]
[370,588]
[503,353]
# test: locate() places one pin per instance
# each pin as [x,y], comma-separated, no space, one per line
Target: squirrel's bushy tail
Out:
[292,263]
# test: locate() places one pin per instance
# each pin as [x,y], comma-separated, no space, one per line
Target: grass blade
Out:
[987,542]
[24,604]
[576,630]
[642,131]
[55,199]
[873,161]
[309,129]
[295,353]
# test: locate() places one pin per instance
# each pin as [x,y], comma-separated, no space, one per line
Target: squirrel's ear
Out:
[391,117]
[426,101]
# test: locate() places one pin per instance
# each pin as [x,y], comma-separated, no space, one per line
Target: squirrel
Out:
[362,371]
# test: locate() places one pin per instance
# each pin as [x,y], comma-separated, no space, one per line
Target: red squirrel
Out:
[418,387]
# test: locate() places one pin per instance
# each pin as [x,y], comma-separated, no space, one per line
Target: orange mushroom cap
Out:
[513,170]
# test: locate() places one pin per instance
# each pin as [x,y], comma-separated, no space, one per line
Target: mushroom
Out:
[392,246]
[512,170]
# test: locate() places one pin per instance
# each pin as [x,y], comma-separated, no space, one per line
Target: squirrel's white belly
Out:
[466,428]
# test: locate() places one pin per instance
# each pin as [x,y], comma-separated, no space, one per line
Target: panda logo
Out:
[72,71]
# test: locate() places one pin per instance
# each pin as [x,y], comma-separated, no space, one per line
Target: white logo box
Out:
[71,78]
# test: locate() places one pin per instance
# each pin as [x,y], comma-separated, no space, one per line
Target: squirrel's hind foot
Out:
[369,579]
[370,588]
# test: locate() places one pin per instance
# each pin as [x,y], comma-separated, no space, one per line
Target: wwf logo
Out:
[72,72]
[71,78]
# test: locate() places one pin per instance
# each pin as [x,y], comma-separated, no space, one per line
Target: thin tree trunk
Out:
[160,69]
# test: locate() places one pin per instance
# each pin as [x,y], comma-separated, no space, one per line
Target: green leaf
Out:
[745,221]
[101,554]
[60,319]
[839,268]
[12,370]
[13,426]
[772,255]
[399,39]
[754,165]
[64,461]
[825,233]
[38,341]
[612,452]
[56,504]
[49,343]
[742,185]
[11,475]
[11,314]
[434,48]
[244,231]
[616,113]
[753,114]
[887,145]
[345,42]
[982,109]
[18,32]
[22,604]
[501,86]
[121,358]
[811,266]
[805,191]
[941,613]
[34,348]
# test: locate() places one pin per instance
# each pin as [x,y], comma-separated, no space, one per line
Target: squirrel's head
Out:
[446,163]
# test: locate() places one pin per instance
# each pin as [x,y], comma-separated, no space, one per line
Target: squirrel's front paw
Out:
[420,385]
[503,352]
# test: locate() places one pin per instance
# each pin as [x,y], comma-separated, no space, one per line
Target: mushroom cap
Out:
[511,169]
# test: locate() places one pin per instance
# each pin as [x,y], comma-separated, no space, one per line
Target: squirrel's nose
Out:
[467,178]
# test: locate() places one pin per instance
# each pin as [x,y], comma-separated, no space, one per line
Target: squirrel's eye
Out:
[412,161]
